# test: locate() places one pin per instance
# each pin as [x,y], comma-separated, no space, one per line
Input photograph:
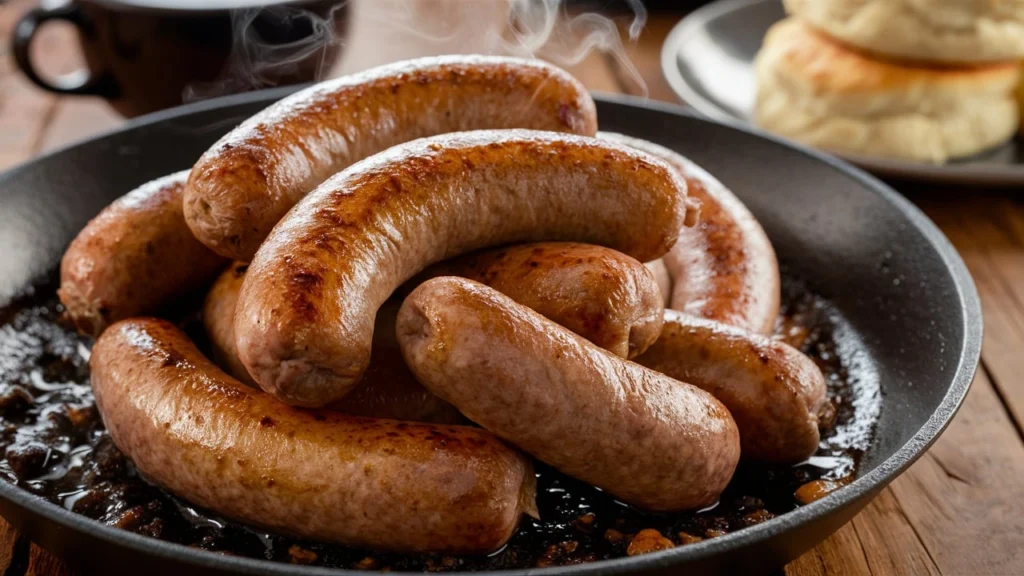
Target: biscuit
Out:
[818,91]
[938,31]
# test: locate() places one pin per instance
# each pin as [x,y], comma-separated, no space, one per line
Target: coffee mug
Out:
[145,55]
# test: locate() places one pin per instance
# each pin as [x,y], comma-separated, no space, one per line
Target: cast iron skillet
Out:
[830,224]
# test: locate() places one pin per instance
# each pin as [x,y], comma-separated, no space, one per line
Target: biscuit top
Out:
[824,65]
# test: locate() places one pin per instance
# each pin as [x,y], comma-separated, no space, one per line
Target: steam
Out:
[542,28]
[288,43]
[273,45]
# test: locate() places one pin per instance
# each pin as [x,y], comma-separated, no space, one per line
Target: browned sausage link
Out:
[774,392]
[724,268]
[219,321]
[387,390]
[364,482]
[243,185]
[662,277]
[134,258]
[598,293]
[304,321]
[645,438]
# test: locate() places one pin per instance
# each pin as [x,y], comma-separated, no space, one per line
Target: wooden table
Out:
[959,510]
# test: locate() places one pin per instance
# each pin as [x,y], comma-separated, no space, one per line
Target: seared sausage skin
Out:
[249,179]
[387,390]
[365,482]
[133,258]
[304,321]
[219,321]
[605,296]
[774,392]
[724,268]
[645,438]
[662,277]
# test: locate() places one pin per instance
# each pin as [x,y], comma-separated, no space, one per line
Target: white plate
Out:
[708,61]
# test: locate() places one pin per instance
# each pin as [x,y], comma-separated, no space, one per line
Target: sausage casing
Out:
[305,316]
[133,258]
[604,296]
[724,268]
[773,391]
[374,483]
[388,389]
[662,277]
[249,179]
[647,439]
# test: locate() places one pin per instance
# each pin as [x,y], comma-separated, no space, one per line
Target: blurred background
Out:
[85,65]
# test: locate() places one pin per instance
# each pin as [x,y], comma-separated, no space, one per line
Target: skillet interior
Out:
[888,270]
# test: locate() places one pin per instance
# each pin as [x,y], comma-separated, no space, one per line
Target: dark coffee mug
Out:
[145,55]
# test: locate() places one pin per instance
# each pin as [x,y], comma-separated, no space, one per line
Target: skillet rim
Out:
[861,488]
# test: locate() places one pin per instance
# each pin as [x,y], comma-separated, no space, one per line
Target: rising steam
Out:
[357,34]
[542,28]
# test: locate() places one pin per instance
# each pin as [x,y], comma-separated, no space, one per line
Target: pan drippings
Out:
[55,446]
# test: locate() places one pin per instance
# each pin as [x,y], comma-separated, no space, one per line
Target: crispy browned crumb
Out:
[687,538]
[817,489]
[648,540]
[368,563]
[300,555]
[560,555]
[585,523]
[757,516]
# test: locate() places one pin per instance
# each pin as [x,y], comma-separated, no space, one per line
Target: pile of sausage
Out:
[417,249]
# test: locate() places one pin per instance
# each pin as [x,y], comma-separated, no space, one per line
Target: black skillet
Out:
[842,230]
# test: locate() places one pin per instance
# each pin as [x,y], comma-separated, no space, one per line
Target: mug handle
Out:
[85,81]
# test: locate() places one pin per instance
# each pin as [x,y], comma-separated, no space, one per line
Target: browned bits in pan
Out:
[102,486]
[647,541]
[817,489]
[687,538]
[300,555]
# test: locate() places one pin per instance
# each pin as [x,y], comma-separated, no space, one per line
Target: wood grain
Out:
[888,540]
[965,497]
[9,548]
[41,563]
[24,109]
[841,553]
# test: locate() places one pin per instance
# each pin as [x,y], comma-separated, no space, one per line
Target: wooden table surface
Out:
[958,510]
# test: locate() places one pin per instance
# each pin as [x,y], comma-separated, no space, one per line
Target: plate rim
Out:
[863,487]
[995,175]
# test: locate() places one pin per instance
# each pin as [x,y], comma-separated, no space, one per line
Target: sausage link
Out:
[219,321]
[249,179]
[305,316]
[774,392]
[724,268]
[603,295]
[365,482]
[387,390]
[134,258]
[662,277]
[645,438]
